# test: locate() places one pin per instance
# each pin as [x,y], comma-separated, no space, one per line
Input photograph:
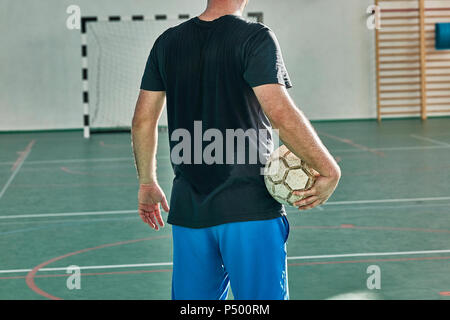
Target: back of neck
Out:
[213,13]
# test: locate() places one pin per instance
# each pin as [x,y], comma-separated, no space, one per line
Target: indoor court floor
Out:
[65,200]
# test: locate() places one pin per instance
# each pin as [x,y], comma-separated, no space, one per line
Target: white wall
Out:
[327,49]
[329,53]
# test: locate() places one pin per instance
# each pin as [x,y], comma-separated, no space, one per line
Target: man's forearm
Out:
[144,141]
[144,133]
[295,130]
[300,137]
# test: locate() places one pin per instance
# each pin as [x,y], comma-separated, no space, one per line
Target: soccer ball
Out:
[284,173]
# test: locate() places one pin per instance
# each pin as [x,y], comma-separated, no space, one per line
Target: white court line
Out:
[68,214]
[386,201]
[369,254]
[429,140]
[17,166]
[394,149]
[438,142]
[401,148]
[81,160]
[371,207]
[159,264]
[320,208]
[72,160]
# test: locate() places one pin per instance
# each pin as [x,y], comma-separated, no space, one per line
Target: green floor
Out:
[61,194]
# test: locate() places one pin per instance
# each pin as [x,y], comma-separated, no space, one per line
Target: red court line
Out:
[351,226]
[366,261]
[351,143]
[103,144]
[89,274]
[67,170]
[32,274]
[84,173]
[22,154]
[72,185]
[289,264]
[386,171]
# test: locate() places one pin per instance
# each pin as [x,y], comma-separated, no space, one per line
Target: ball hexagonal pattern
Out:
[284,173]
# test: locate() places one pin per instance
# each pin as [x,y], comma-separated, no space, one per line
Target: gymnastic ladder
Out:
[412,78]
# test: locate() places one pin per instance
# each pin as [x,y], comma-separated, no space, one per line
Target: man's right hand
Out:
[149,198]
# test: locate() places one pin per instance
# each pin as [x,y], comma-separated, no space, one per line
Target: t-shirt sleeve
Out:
[264,62]
[151,79]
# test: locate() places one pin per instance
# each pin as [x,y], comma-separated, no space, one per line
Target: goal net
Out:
[115,53]
[118,52]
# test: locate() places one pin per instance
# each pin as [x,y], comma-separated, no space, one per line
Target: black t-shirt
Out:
[208,69]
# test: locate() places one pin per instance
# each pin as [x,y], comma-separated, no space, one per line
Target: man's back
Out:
[208,69]
[221,79]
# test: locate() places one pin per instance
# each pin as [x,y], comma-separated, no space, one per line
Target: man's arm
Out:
[299,136]
[144,132]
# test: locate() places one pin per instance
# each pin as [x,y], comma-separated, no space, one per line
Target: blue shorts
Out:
[250,255]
